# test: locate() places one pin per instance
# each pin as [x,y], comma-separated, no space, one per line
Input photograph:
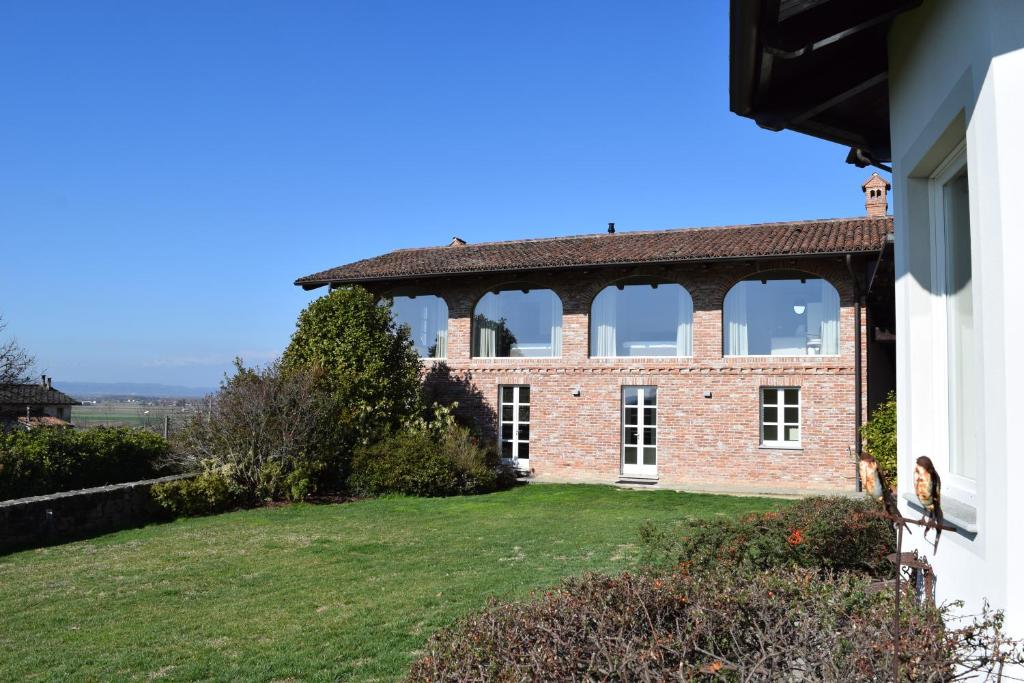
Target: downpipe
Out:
[857,366]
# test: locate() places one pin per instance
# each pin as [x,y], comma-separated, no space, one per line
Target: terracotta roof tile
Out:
[801,238]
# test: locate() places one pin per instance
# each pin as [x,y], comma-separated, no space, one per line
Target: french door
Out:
[640,432]
[515,425]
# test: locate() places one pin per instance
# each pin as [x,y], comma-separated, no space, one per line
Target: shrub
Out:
[879,434]
[48,460]
[785,625]
[363,361]
[261,434]
[210,492]
[423,462]
[826,533]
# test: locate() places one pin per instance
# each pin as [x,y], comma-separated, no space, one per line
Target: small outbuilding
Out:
[35,404]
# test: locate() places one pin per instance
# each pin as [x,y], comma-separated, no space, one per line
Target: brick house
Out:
[722,358]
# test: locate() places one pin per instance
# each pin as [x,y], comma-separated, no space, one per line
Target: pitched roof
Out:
[800,238]
[32,395]
[876,181]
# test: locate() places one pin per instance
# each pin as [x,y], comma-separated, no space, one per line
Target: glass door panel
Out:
[640,432]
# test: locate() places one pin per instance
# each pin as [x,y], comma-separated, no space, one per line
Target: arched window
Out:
[781,314]
[426,316]
[642,320]
[518,323]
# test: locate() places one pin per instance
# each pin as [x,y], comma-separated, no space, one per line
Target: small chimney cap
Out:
[457,242]
[611,228]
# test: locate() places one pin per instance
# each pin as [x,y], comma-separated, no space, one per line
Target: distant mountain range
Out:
[83,390]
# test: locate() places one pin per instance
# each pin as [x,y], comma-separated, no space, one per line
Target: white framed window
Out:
[955,369]
[780,417]
[514,424]
[640,431]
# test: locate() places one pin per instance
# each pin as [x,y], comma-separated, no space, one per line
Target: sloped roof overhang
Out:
[818,67]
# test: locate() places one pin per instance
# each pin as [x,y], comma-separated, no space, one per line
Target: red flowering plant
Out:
[826,533]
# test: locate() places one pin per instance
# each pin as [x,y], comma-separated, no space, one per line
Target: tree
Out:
[15,361]
[259,433]
[364,362]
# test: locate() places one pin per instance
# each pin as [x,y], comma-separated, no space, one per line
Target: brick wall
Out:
[711,443]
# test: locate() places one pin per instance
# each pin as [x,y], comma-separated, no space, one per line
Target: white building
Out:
[937,89]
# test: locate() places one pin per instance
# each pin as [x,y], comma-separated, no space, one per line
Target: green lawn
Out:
[309,592]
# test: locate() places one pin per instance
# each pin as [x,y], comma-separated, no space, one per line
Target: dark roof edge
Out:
[744,27]
[309,285]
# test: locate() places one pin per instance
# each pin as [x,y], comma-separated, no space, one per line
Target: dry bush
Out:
[261,432]
[783,625]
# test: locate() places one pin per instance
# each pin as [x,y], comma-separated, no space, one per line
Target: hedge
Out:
[49,460]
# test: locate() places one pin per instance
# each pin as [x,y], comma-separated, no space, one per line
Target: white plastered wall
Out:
[957,74]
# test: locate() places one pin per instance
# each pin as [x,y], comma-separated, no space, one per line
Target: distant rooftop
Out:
[834,236]
[33,394]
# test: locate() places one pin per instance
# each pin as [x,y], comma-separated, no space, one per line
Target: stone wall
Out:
[43,520]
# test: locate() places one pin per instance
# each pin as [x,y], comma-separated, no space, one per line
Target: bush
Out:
[825,533]
[261,433]
[48,460]
[783,625]
[364,363]
[208,493]
[879,434]
[423,462]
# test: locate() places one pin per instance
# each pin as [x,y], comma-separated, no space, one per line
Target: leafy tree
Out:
[879,434]
[364,362]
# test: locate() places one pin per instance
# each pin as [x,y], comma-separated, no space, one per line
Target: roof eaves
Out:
[310,284]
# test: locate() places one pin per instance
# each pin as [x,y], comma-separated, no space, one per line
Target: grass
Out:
[128,415]
[310,592]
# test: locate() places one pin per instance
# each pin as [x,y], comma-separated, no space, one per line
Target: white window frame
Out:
[944,380]
[780,423]
[639,469]
[515,423]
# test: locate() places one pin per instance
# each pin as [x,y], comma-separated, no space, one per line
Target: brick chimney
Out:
[876,195]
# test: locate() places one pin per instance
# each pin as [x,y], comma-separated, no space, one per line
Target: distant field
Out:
[128,415]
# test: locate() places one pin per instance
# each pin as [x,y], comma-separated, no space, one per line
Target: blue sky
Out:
[168,169]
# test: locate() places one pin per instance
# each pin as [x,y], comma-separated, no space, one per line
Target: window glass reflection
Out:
[426,316]
[518,324]
[642,320]
[795,316]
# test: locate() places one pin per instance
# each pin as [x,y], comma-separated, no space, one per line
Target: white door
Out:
[640,432]
[514,428]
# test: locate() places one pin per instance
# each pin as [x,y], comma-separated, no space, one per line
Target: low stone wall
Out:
[43,520]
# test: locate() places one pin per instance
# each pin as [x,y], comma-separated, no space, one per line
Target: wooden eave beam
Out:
[829,23]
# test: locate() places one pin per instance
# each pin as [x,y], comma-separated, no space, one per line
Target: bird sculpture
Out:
[928,487]
[872,480]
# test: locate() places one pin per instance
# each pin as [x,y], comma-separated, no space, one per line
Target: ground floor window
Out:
[780,417]
[515,424]
[639,431]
